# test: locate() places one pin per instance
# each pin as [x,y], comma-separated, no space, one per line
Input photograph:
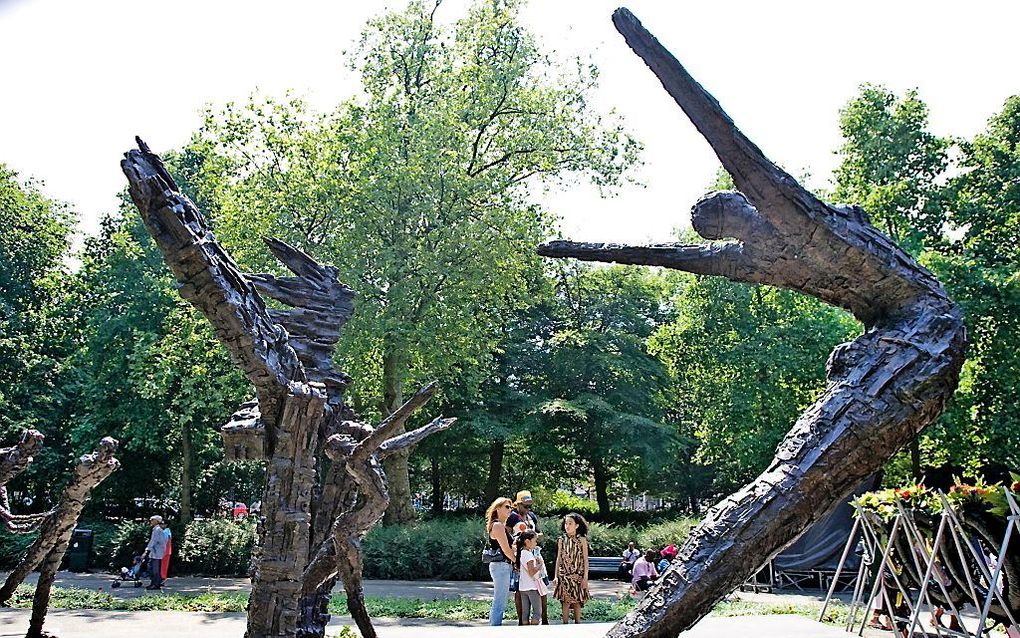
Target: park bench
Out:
[604,565]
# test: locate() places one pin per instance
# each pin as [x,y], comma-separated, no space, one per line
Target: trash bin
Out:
[79,552]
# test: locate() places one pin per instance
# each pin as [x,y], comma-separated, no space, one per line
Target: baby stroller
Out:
[132,574]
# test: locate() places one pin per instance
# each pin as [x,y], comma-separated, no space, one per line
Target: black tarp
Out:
[822,545]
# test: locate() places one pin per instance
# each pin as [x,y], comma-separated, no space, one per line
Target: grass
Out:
[599,610]
[836,614]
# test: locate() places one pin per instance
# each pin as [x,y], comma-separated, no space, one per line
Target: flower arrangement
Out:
[972,493]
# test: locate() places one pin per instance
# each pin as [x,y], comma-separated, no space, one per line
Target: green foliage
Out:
[450,549]
[128,540]
[605,404]
[561,501]
[420,191]
[78,598]
[745,362]
[218,546]
[151,373]
[890,164]
[35,339]
[13,547]
[462,609]
[441,549]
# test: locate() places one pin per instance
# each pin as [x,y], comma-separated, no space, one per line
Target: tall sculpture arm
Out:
[796,240]
[414,437]
[883,388]
[209,279]
[13,461]
[91,470]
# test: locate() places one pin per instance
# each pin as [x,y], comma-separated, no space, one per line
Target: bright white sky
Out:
[80,79]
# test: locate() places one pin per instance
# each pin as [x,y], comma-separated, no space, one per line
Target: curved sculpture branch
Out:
[48,550]
[883,388]
[13,461]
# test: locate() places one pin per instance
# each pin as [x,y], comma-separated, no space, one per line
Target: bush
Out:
[662,534]
[128,539]
[217,546]
[450,549]
[439,549]
[559,502]
[13,547]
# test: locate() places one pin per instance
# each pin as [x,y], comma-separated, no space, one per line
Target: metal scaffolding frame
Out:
[951,539]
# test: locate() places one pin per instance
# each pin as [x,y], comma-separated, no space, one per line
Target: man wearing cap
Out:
[520,520]
[155,551]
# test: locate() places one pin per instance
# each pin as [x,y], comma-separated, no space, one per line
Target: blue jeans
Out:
[500,573]
[155,573]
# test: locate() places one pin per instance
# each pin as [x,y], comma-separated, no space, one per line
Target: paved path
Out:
[423,589]
[169,624]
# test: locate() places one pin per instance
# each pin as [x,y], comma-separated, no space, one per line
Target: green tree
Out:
[150,372]
[979,265]
[889,165]
[35,336]
[605,407]
[745,362]
[421,191]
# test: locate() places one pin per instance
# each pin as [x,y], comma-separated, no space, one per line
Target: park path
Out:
[170,624]
[423,589]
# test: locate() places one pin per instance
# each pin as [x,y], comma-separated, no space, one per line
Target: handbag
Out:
[490,555]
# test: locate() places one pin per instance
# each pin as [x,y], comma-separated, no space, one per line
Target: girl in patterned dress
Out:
[571,583]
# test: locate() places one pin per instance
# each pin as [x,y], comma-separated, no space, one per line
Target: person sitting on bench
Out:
[631,554]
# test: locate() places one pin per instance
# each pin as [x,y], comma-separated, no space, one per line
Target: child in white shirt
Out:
[531,584]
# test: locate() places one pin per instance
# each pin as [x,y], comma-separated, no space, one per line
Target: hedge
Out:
[443,549]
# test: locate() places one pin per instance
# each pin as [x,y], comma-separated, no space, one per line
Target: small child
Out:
[531,584]
[136,567]
[572,566]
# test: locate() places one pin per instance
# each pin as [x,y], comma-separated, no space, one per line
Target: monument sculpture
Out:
[882,388]
[325,484]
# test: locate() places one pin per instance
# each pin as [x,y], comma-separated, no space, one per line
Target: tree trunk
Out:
[185,473]
[601,486]
[915,460]
[401,509]
[492,484]
[437,486]
[883,387]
